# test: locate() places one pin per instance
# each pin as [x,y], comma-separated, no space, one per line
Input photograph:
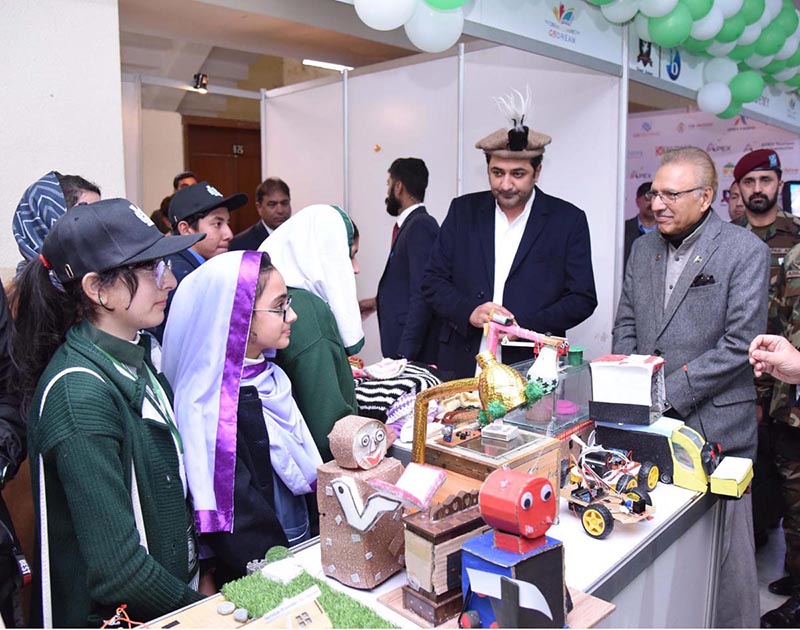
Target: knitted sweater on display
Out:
[91,435]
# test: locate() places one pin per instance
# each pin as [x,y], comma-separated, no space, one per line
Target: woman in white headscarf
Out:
[233,405]
[315,251]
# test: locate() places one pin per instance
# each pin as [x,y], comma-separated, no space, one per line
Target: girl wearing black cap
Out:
[114,526]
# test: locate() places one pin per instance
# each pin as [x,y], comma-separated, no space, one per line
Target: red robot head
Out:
[517,503]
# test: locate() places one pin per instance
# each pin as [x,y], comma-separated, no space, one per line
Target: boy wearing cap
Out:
[758,176]
[199,209]
[512,250]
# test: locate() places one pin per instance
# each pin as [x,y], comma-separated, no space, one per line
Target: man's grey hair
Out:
[705,171]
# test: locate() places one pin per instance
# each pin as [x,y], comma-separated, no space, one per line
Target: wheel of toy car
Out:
[469,619]
[640,493]
[648,475]
[625,482]
[665,477]
[597,521]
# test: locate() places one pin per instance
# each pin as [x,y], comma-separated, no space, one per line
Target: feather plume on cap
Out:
[519,141]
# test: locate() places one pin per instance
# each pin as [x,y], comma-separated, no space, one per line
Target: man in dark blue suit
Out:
[407,325]
[274,205]
[512,250]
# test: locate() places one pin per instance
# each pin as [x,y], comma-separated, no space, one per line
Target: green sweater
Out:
[316,363]
[89,435]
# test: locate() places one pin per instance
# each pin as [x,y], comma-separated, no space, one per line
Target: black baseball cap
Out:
[104,235]
[200,198]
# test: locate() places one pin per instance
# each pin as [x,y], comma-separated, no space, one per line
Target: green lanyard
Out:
[155,394]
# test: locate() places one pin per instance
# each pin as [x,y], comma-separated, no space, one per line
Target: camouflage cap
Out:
[497,143]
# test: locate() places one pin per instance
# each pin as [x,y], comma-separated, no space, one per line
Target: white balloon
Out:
[729,8]
[785,88]
[789,48]
[707,27]
[657,8]
[786,73]
[720,50]
[385,15]
[432,30]
[757,61]
[772,8]
[620,11]
[714,98]
[720,70]
[642,27]
[750,34]
[764,20]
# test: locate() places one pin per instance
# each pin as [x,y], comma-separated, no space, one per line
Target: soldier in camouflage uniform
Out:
[758,176]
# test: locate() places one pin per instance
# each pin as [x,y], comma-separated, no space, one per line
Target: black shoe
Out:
[784,586]
[785,616]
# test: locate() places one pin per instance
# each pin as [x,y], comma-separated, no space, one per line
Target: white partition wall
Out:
[412,110]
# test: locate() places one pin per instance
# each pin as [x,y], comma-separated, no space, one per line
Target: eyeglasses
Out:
[278,311]
[159,270]
[668,197]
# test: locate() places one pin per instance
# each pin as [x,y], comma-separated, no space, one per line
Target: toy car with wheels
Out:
[616,468]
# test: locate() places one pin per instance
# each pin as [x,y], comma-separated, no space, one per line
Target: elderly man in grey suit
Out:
[695,293]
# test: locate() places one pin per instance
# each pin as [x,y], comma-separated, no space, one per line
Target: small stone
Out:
[241,615]
[226,608]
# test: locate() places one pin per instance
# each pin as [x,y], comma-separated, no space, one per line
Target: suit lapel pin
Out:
[658,256]
[698,259]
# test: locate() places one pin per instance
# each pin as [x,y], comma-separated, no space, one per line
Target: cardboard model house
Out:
[360,529]
[627,389]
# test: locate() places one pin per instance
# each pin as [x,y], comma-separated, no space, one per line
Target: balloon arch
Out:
[748,43]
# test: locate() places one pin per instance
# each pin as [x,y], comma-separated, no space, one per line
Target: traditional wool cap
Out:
[200,198]
[105,235]
[518,141]
[498,144]
[759,160]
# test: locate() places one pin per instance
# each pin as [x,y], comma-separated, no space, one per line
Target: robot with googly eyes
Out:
[513,575]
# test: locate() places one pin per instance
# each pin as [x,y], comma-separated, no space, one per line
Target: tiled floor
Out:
[769,563]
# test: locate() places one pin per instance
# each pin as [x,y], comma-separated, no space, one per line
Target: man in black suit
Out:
[274,206]
[407,325]
[642,223]
[511,250]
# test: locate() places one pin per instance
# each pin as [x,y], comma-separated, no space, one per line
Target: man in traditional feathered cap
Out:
[512,251]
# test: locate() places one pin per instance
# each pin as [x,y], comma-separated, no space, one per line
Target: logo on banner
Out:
[741,123]
[646,126]
[747,148]
[728,169]
[645,53]
[662,149]
[634,155]
[641,175]
[646,130]
[674,65]
[561,27]
[718,148]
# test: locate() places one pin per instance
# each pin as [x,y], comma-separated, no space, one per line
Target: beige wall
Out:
[162,155]
[61,100]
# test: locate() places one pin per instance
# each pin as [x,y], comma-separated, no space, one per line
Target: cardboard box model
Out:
[627,388]
[513,576]
[360,530]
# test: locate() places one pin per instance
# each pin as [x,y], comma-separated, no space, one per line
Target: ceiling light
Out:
[325,65]
[200,83]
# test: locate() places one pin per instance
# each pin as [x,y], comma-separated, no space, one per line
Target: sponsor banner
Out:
[571,24]
[650,135]
[681,68]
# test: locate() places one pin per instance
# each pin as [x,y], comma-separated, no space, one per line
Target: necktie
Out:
[395,230]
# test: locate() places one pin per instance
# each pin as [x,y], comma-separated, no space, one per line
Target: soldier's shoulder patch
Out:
[792,274]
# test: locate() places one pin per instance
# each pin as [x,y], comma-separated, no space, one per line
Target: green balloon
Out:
[771,40]
[752,10]
[733,110]
[776,65]
[787,20]
[770,80]
[746,86]
[700,8]
[671,29]
[447,5]
[794,81]
[794,60]
[697,46]
[732,28]
[740,53]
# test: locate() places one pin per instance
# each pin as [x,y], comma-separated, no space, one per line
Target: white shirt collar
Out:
[267,228]
[404,214]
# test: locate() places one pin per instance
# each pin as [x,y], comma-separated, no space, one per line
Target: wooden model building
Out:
[360,530]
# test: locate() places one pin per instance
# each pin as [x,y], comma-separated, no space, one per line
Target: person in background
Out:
[736,208]
[114,524]
[42,204]
[199,209]
[408,327]
[161,216]
[695,293]
[245,503]
[182,180]
[316,251]
[274,205]
[758,176]
[643,223]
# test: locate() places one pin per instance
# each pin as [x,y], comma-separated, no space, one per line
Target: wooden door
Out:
[227,154]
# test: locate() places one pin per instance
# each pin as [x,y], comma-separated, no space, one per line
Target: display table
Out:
[659,573]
